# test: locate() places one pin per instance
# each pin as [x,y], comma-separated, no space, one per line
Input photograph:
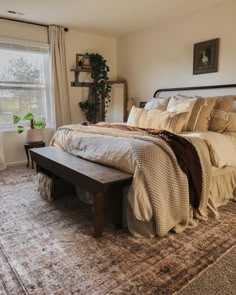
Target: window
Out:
[24,81]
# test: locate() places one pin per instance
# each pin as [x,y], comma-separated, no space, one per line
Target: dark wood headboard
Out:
[157,92]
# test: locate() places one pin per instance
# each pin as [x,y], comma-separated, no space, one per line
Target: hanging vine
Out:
[100,89]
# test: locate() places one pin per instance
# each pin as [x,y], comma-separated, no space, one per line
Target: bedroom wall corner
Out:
[162,56]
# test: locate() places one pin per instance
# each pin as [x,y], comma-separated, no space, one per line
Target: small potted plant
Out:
[34,134]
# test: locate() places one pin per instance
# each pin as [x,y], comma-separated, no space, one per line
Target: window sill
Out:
[7,127]
[11,127]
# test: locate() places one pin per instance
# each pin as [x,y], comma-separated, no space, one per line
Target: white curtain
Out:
[60,91]
[2,156]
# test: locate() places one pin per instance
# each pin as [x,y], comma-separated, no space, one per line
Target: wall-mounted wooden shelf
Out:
[81,70]
[76,82]
[89,84]
[77,72]
[81,84]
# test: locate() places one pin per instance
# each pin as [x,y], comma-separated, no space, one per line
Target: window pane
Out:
[24,83]
[21,66]
[21,102]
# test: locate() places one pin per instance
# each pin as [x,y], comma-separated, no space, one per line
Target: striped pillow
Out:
[181,104]
[231,122]
[201,112]
[157,119]
[218,122]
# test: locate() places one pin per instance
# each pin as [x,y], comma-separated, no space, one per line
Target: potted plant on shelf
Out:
[34,134]
[99,89]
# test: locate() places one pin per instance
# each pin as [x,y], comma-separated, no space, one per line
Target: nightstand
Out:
[31,145]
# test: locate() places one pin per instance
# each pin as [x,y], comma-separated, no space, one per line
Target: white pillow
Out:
[181,104]
[157,104]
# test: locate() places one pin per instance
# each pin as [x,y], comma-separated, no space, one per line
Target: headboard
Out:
[210,87]
[157,92]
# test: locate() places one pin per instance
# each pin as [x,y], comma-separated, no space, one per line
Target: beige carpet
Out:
[220,278]
[48,248]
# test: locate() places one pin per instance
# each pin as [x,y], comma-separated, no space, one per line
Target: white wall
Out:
[13,144]
[76,42]
[80,42]
[163,55]
[11,29]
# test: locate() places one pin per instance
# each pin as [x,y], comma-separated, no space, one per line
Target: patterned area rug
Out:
[48,248]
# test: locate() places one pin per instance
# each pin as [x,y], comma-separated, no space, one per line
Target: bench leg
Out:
[99,214]
[116,198]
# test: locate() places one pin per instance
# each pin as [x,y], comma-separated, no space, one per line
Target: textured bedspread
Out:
[162,193]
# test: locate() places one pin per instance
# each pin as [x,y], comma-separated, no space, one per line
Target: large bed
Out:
[158,199]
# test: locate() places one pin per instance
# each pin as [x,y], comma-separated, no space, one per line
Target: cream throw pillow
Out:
[224,104]
[208,113]
[230,121]
[157,104]
[201,113]
[221,148]
[157,119]
[181,104]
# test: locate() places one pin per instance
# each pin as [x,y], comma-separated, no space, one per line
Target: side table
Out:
[31,145]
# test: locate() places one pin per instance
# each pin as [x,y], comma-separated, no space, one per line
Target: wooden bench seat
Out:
[103,182]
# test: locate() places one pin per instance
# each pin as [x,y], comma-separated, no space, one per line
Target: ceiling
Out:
[113,17]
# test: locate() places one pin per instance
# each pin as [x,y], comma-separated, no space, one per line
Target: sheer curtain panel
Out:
[59,76]
[2,156]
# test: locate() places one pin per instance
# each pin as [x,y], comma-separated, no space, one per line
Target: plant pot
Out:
[34,135]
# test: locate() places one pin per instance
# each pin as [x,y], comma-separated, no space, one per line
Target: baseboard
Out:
[13,164]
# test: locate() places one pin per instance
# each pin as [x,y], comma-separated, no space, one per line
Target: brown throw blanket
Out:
[184,151]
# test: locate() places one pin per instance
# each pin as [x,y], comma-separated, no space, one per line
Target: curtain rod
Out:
[30,23]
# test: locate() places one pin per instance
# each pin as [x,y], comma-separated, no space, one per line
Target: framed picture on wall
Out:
[205,57]
[82,62]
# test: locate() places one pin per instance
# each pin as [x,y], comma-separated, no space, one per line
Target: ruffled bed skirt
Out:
[223,189]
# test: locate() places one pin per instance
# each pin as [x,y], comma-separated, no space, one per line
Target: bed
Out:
[158,200]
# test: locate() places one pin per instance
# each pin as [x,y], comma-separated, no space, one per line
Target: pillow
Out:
[157,119]
[157,104]
[218,144]
[231,122]
[201,113]
[181,104]
[218,122]
[234,107]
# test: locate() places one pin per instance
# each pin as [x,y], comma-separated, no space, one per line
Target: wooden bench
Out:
[105,183]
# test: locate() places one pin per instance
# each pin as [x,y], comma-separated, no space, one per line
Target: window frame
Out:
[40,48]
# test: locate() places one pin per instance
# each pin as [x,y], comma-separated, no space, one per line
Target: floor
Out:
[48,248]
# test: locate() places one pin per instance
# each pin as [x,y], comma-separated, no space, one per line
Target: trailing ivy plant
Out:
[100,88]
[89,109]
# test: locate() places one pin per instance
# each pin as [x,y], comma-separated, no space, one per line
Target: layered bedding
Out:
[158,199]
[180,175]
